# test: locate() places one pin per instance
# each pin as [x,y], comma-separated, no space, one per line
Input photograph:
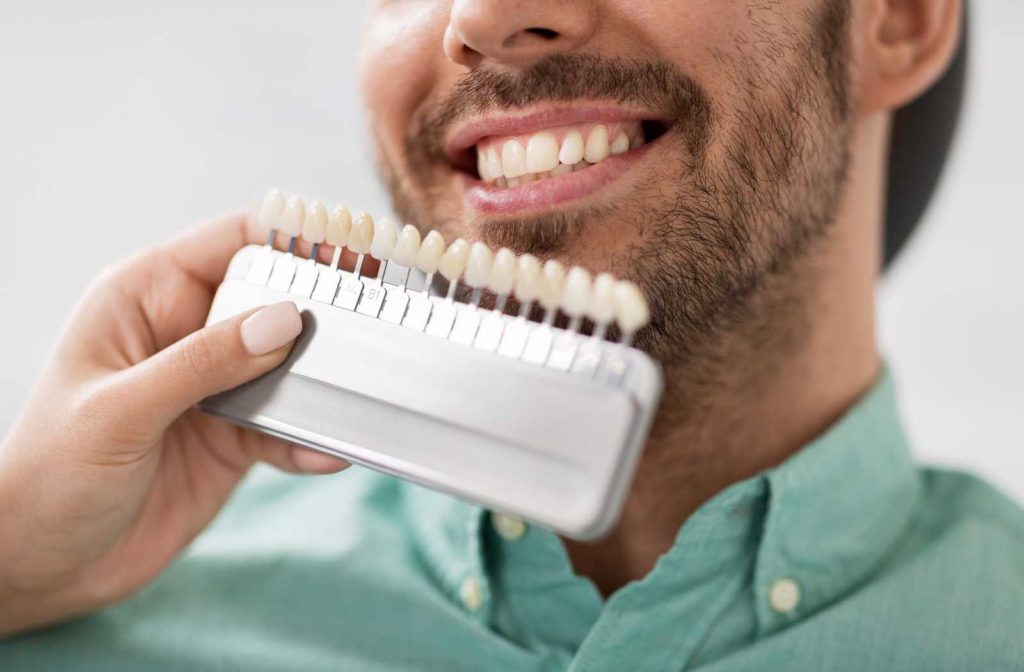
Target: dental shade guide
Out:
[523,417]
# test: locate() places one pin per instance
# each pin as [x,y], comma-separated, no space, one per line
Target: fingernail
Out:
[271,327]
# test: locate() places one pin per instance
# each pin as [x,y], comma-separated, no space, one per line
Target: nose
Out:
[516,32]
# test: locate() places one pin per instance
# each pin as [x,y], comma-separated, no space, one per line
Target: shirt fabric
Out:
[845,557]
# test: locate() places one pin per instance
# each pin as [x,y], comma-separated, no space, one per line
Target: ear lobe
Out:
[908,44]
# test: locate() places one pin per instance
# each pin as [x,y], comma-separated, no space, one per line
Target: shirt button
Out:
[508,527]
[469,593]
[784,595]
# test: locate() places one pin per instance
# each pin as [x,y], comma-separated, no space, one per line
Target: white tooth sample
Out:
[292,217]
[620,145]
[601,308]
[271,209]
[513,181]
[430,252]
[572,148]
[561,169]
[576,295]
[385,235]
[453,261]
[631,310]
[553,285]
[541,153]
[339,226]
[513,159]
[314,227]
[478,265]
[503,272]
[493,163]
[407,246]
[529,279]
[361,238]
[596,148]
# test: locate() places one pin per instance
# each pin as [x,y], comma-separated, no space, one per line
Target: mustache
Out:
[656,85]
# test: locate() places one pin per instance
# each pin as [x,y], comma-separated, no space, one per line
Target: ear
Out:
[906,47]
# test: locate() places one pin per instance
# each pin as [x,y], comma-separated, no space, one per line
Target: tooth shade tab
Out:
[385,235]
[576,296]
[407,246]
[293,217]
[503,272]
[453,261]
[271,209]
[429,255]
[601,308]
[631,309]
[314,228]
[478,265]
[529,279]
[553,284]
[339,226]
[361,237]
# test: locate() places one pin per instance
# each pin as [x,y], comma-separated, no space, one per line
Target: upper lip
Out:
[468,133]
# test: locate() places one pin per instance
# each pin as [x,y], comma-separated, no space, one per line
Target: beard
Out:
[746,194]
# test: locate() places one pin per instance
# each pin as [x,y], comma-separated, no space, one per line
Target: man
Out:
[776,521]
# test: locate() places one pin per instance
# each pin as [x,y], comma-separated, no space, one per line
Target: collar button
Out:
[784,595]
[507,527]
[471,594]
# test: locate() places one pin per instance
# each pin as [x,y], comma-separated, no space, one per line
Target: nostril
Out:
[526,37]
[545,33]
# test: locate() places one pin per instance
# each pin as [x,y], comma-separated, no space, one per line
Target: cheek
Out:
[729,48]
[399,64]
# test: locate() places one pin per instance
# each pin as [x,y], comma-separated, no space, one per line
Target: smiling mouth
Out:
[546,159]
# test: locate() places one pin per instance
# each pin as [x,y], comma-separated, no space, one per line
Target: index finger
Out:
[204,251]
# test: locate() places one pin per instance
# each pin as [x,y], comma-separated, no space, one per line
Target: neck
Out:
[785,383]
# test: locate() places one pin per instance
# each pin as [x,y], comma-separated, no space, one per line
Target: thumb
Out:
[214,359]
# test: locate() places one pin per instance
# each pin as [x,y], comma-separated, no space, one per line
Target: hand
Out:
[110,470]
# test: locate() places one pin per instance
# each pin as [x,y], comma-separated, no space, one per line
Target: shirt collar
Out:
[823,519]
[836,507]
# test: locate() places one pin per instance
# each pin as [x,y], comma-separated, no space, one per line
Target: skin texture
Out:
[753,225]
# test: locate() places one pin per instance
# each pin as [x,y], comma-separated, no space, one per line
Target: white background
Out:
[122,122]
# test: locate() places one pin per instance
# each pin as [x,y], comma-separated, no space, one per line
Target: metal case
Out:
[554,447]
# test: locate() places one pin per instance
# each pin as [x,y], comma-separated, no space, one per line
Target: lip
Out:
[551,192]
[465,135]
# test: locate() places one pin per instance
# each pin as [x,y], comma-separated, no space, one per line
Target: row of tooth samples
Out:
[602,299]
[511,161]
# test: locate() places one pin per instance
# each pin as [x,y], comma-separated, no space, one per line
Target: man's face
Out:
[734,125]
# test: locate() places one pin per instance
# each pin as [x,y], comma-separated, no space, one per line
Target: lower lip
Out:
[551,192]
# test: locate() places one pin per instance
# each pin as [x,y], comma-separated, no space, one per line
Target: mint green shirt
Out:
[845,557]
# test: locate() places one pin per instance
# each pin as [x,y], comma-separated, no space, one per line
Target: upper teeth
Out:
[510,161]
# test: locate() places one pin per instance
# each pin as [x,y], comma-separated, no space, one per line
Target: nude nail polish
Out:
[270,328]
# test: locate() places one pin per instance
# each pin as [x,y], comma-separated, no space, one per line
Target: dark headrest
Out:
[921,137]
